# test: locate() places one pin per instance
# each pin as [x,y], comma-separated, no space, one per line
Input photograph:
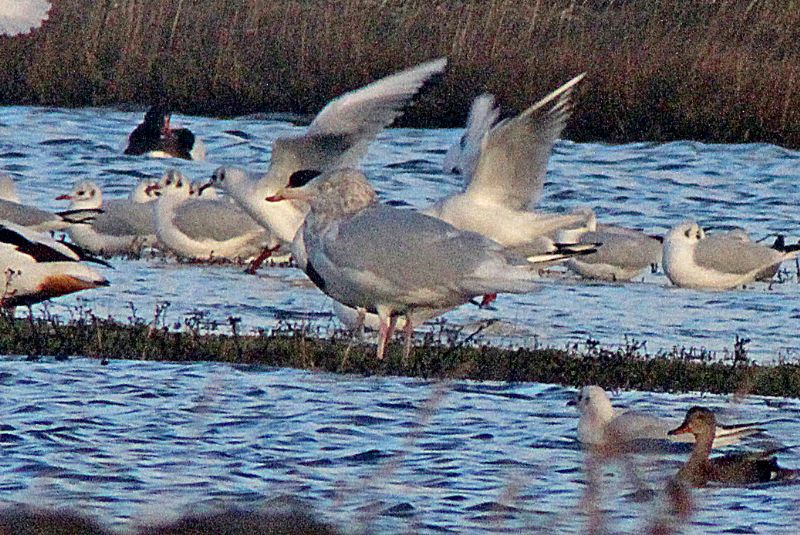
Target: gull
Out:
[393,262]
[22,16]
[36,267]
[600,425]
[692,259]
[337,137]
[124,227]
[509,173]
[155,138]
[200,229]
[40,220]
[621,254]
[8,190]
[462,157]
[733,469]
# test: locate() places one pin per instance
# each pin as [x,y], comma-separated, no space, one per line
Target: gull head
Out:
[228,178]
[338,193]
[687,233]
[143,191]
[698,421]
[593,401]
[84,195]
[173,184]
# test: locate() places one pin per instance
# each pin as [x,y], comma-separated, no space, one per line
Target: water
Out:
[132,440]
[647,186]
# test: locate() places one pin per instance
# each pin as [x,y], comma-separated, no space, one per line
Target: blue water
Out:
[131,440]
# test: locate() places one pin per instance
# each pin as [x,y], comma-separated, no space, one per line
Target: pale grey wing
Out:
[634,425]
[411,250]
[22,16]
[123,218]
[213,220]
[463,156]
[363,113]
[26,216]
[732,255]
[514,154]
[320,152]
[627,250]
[340,134]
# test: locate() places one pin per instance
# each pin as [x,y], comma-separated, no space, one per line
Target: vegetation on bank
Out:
[722,70]
[442,352]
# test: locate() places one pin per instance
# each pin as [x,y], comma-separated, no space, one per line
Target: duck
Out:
[37,267]
[155,138]
[733,469]
[124,227]
[600,425]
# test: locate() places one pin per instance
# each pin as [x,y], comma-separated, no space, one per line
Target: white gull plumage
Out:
[693,259]
[124,227]
[22,16]
[507,178]
[394,262]
[35,267]
[600,424]
[337,137]
[198,229]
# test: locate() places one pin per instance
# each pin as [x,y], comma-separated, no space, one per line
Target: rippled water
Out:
[140,440]
[647,186]
[126,439]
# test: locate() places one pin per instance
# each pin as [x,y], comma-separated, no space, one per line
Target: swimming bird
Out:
[733,469]
[394,262]
[600,424]
[621,253]
[22,16]
[154,137]
[692,259]
[35,267]
[124,227]
[509,174]
[8,190]
[337,137]
[199,229]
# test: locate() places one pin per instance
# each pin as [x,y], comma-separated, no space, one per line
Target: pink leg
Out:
[256,263]
[383,337]
[408,330]
[487,300]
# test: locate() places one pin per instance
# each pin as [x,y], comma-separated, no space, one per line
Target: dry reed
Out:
[721,70]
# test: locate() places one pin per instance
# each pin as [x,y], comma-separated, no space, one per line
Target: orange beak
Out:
[682,429]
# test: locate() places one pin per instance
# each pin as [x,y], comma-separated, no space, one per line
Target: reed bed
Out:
[441,352]
[711,70]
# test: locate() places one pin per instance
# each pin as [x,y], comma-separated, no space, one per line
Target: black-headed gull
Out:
[621,254]
[198,229]
[509,174]
[35,267]
[600,424]
[22,16]
[124,227]
[733,469]
[155,137]
[337,137]
[692,259]
[393,262]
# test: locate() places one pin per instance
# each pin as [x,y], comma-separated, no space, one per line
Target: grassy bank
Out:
[442,353]
[724,70]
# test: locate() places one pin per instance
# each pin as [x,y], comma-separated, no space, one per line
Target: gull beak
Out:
[572,403]
[152,188]
[204,187]
[285,194]
[684,428]
[64,197]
